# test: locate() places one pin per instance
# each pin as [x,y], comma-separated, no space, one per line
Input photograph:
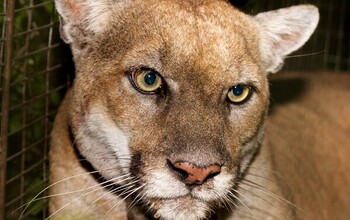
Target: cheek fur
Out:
[104,143]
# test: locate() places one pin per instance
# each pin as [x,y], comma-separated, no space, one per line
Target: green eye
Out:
[146,80]
[239,93]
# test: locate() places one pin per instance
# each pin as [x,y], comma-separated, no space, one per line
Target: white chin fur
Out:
[183,209]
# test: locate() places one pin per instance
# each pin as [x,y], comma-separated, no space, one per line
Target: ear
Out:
[284,31]
[80,20]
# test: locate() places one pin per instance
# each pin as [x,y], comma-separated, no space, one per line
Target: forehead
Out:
[211,35]
[213,30]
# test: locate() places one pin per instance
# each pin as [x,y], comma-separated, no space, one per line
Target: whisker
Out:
[46,188]
[131,192]
[36,198]
[228,201]
[236,197]
[245,197]
[265,200]
[272,171]
[124,189]
[256,195]
[269,193]
[134,202]
[307,54]
[261,177]
[107,193]
[91,191]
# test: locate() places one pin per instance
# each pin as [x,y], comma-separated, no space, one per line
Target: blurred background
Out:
[36,70]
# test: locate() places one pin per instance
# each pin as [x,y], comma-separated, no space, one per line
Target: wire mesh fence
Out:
[31,89]
[34,67]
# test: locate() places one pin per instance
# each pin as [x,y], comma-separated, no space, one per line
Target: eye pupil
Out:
[146,81]
[239,93]
[150,78]
[237,90]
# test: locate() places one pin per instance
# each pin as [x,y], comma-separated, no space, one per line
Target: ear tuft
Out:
[284,31]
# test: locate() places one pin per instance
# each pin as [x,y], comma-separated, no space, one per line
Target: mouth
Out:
[184,198]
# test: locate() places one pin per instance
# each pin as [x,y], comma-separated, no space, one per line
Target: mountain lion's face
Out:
[169,101]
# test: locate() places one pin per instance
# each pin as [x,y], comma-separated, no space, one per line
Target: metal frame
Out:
[7,42]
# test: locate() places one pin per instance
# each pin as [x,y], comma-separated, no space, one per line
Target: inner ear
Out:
[284,31]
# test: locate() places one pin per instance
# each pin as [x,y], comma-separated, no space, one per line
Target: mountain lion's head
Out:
[170,97]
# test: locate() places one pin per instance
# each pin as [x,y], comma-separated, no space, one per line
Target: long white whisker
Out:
[269,193]
[107,193]
[270,170]
[126,189]
[236,191]
[306,55]
[67,193]
[46,188]
[265,200]
[255,194]
[228,201]
[135,201]
[115,190]
[91,191]
[133,191]
[236,197]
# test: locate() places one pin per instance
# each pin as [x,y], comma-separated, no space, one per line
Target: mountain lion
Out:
[166,117]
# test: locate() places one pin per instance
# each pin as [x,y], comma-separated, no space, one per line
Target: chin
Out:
[186,207]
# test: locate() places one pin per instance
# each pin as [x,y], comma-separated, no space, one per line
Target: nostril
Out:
[212,174]
[180,172]
[192,174]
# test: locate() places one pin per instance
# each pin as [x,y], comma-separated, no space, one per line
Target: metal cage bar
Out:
[6,45]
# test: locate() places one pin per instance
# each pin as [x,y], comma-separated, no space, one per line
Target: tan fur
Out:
[309,136]
[128,139]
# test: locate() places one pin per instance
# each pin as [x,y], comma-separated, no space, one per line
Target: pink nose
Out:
[192,174]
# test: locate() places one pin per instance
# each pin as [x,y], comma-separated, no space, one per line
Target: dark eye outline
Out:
[133,80]
[250,91]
